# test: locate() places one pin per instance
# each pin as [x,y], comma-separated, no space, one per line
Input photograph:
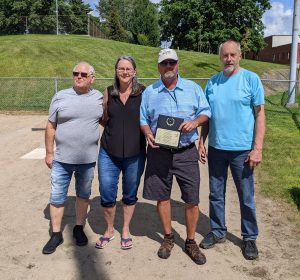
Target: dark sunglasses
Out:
[168,62]
[82,74]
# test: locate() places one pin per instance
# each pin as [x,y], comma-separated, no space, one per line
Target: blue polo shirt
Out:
[186,101]
[232,101]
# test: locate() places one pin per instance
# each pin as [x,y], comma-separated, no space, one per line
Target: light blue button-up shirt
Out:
[186,101]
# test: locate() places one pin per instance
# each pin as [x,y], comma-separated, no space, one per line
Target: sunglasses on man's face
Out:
[82,74]
[168,62]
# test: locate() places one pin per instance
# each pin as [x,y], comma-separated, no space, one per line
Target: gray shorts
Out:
[162,164]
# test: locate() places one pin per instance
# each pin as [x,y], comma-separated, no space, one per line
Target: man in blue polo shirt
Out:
[174,97]
[235,140]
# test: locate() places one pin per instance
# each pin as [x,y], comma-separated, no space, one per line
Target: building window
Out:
[288,56]
[273,57]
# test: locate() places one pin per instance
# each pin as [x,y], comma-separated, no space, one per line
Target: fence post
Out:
[294,52]
[26,30]
[298,78]
[88,27]
[55,85]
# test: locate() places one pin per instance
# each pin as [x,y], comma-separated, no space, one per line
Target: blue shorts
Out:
[109,169]
[61,175]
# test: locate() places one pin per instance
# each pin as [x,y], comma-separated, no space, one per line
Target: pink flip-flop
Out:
[104,240]
[126,240]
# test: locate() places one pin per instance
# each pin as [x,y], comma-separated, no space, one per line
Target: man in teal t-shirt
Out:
[235,139]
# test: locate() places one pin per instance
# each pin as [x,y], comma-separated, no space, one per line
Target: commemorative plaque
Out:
[167,133]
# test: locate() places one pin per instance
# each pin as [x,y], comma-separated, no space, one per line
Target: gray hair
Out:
[238,45]
[91,68]
[116,83]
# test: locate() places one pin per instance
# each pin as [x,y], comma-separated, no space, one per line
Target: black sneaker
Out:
[249,249]
[193,251]
[55,240]
[210,240]
[166,246]
[79,235]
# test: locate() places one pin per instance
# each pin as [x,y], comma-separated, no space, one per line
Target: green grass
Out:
[35,94]
[279,174]
[55,56]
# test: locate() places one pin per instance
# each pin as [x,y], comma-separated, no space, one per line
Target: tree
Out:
[144,23]
[180,22]
[116,30]
[204,24]
[245,43]
[42,18]
[39,16]
[11,12]
[134,21]
[121,7]
[73,17]
[115,15]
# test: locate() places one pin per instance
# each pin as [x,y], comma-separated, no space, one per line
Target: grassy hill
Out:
[55,56]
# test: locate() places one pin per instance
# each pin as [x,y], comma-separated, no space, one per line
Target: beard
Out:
[228,69]
[169,75]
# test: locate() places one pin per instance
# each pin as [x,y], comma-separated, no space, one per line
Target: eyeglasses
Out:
[168,62]
[123,70]
[82,74]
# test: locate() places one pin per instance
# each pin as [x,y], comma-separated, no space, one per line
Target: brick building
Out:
[278,50]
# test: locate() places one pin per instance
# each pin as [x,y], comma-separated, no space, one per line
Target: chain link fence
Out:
[50,24]
[35,94]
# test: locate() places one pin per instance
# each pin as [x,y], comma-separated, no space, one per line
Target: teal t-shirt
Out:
[232,101]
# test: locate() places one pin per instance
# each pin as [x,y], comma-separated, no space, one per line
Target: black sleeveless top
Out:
[122,136]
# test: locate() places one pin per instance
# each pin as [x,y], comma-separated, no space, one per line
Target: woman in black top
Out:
[122,149]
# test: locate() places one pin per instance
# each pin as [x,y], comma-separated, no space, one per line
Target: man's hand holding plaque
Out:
[168,133]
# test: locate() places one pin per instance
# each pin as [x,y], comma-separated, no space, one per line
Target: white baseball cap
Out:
[167,54]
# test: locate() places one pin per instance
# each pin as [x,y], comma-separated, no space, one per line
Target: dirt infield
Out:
[24,229]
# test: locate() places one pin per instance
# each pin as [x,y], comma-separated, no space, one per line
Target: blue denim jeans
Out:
[109,169]
[61,175]
[218,162]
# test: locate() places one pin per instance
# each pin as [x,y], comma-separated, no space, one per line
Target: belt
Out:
[178,150]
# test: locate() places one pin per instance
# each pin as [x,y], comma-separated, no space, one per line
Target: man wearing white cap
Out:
[171,110]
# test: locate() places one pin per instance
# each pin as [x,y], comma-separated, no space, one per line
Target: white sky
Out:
[277,21]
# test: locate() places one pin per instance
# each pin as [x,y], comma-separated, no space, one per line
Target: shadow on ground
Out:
[86,257]
[145,221]
[295,194]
